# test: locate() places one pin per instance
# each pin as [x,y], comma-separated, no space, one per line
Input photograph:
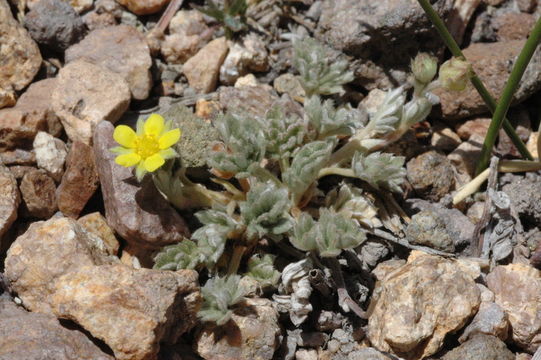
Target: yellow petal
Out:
[168,154]
[154,125]
[169,138]
[125,136]
[128,160]
[153,162]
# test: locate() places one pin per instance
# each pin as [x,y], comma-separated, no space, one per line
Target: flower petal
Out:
[120,150]
[153,162]
[154,125]
[140,171]
[128,160]
[169,138]
[168,154]
[125,136]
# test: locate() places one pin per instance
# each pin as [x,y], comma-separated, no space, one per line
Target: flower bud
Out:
[455,74]
[424,67]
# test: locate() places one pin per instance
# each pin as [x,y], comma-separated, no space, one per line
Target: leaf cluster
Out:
[219,295]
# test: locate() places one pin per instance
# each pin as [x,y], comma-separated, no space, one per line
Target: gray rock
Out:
[525,195]
[51,154]
[249,100]
[33,336]
[137,212]
[481,347]
[55,24]
[431,175]
[428,228]
[18,157]
[489,320]
[9,200]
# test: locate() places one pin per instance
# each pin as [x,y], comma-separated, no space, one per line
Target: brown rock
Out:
[51,154]
[18,157]
[33,336]
[289,84]
[415,306]
[493,63]
[9,200]
[517,288]
[121,49]
[144,7]
[514,26]
[32,113]
[444,138]
[203,68]
[489,320]
[187,34]
[87,94]
[137,212]
[431,175]
[481,347]
[96,224]
[79,182]
[38,191]
[527,5]
[94,20]
[478,127]
[249,100]
[250,56]
[20,170]
[465,157]
[21,58]
[252,333]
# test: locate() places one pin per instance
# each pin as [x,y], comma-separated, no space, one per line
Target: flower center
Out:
[146,146]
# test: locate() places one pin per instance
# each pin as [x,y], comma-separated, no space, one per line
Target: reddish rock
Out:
[143,7]
[38,191]
[478,127]
[19,170]
[252,100]
[79,182]
[202,69]
[514,26]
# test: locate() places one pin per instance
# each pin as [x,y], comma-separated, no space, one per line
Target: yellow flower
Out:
[149,147]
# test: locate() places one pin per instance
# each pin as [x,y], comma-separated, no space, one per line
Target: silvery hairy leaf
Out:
[381,170]
[389,114]
[219,294]
[350,202]
[283,133]
[184,255]
[327,121]
[261,268]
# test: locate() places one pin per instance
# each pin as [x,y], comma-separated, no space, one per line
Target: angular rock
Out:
[96,224]
[526,197]
[20,170]
[481,347]
[38,193]
[94,20]
[87,94]
[55,24]
[489,320]
[32,336]
[514,26]
[79,182]
[444,139]
[121,49]
[9,200]
[137,212]
[186,36]
[464,158]
[249,57]
[18,157]
[431,175]
[203,68]
[144,7]
[21,58]
[493,63]
[429,229]
[249,100]
[517,289]
[252,333]
[477,127]
[51,154]
[415,306]
[290,84]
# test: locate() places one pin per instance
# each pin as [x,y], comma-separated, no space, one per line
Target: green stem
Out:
[335,171]
[507,96]
[476,82]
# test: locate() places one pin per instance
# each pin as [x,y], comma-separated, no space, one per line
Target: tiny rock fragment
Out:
[289,84]
[203,68]
[38,193]
[475,127]
[79,182]
[431,175]
[51,154]
[144,7]
[97,225]
[444,139]
[250,56]
[87,94]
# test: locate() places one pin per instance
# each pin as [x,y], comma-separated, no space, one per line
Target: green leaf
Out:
[328,121]
[184,255]
[261,268]
[219,294]
[381,170]
[283,134]
[266,211]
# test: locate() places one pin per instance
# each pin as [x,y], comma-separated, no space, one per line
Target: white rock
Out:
[50,154]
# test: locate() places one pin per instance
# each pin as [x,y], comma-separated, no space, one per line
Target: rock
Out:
[489,320]
[188,22]
[431,175]
[464,158]
[51,154]
[21,58]
[517,288]
[59,268]
[187,34]
[289,84]
[33,336]
[522,124]
[18,157]
[246,80]
[481,347]
[444,139]
[32,113]
[252,333]
[248,100]
[55,24]
[493,63]
[144,7]
[137,212]
[20,170]
[460,17]
[38,192]
[391,31]
[514,26]
[94,20]
[96,224]
[9,200]
[367,354]
[304,354]
[79,182]
[415,306]
[526,5]
[525,197]
[203,68]
[429,229]
[477,127]
[251,56]
[87,94]
[121,49]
